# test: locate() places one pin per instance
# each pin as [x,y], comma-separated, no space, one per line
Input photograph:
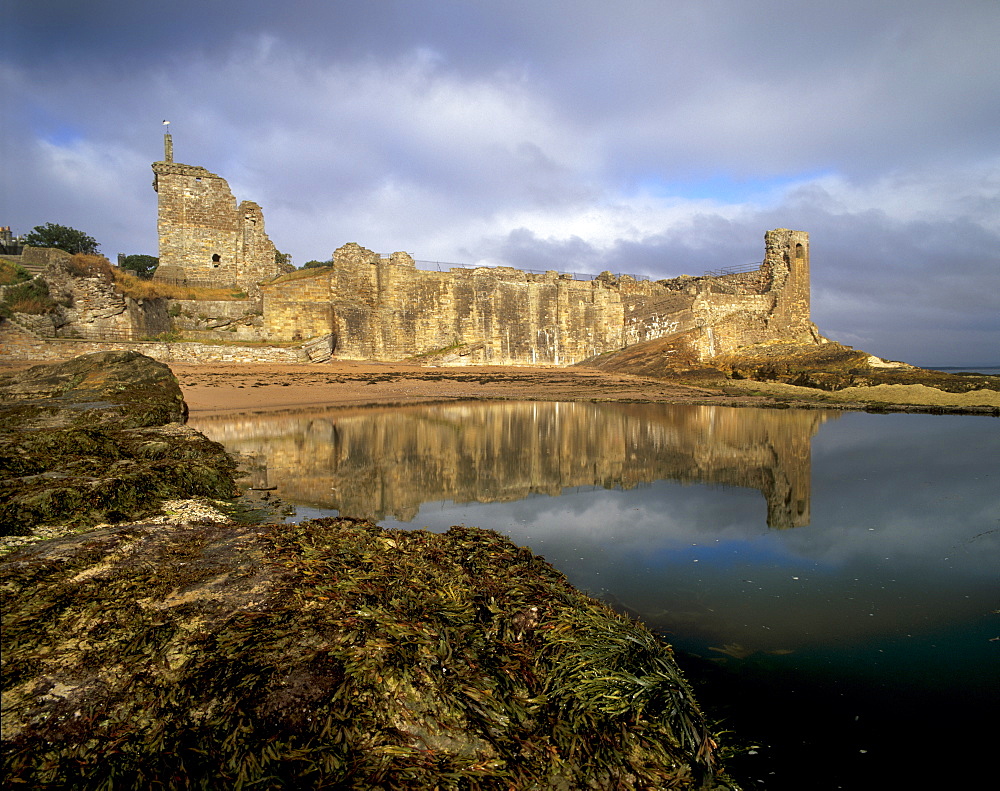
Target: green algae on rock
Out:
[832,366]
[331,654]
[99,438]
[121,388]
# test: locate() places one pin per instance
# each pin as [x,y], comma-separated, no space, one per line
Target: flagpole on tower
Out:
[168,143]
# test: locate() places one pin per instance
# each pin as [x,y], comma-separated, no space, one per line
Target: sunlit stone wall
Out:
[205,239]
[383,308]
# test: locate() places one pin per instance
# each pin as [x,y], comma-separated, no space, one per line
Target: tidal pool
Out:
[831,579]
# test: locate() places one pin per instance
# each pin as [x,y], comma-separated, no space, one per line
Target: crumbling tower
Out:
[205,239]
[786,265]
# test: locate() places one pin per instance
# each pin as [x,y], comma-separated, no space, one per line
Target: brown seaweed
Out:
[331,654]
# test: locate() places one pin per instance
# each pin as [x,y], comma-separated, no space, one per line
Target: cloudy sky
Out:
[655,137]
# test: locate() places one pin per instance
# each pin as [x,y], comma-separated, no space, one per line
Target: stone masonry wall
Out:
[94,306]
[299,309]
[786,264]
[197,220]
[42,256]
[385,309]
[204,237]
[230,320]
[17,344]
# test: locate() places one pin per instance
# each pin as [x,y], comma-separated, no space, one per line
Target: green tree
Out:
[62,238]
[142,265]
[315,264]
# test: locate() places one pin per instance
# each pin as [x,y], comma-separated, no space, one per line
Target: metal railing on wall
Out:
[441,266]
[734,270]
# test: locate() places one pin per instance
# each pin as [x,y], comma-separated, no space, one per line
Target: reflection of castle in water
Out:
[379,463]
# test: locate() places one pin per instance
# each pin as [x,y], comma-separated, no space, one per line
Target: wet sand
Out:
[262,388]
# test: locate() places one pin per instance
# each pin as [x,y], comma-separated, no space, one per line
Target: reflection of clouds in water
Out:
[912,488]
[664,517]
[652,518]
[647,520]
[913,540]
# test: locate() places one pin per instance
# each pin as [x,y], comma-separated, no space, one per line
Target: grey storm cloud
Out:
[657,138]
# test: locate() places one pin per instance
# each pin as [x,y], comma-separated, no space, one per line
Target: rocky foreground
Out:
[99,438]
[201,653]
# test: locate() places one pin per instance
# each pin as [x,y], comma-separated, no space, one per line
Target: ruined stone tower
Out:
[205,239]
[786,265]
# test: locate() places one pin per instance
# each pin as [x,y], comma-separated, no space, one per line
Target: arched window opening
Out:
[216,260]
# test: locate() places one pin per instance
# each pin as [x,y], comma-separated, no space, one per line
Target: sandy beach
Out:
[263,388]
[251,388]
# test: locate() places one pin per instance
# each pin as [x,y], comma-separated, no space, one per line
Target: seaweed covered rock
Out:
[331,654]
[832,366]
[827,366]
[98,439]
[121,388]
[670,357]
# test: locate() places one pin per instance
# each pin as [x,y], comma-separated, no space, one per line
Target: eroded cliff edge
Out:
[825,374]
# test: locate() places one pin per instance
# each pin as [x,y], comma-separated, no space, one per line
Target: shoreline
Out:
[189,595]
[247,388]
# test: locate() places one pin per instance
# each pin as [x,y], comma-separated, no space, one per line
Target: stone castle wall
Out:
[383,308]
[369,307]
[19,344]
[202,319]
[386,309]
[42,256]
[205,238]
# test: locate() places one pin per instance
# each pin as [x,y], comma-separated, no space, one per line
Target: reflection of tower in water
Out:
[379,463]
[764,449]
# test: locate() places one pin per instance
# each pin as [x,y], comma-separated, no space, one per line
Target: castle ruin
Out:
[372,307]
[205,239]
[384,308]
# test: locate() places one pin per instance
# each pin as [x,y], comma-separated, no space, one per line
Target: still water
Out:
[831,579]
